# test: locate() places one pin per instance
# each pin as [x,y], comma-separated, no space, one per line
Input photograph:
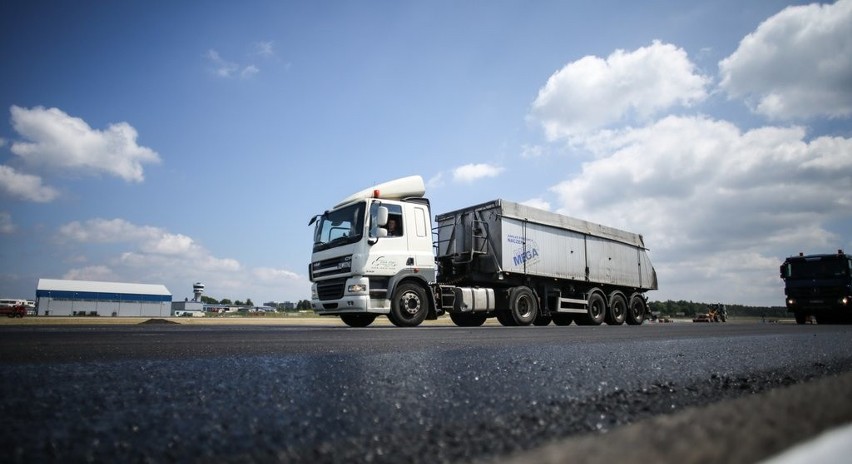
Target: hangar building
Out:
[85,298]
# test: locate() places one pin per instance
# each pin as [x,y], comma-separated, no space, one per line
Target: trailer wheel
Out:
[595,311]
[358,320]
[562,319]
[617,309]
[523,306]
[468,319]
[409,306]
[636,310]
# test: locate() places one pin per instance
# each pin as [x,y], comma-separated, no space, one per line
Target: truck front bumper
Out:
[352,296]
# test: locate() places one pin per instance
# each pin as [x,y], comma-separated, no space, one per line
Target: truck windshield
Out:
[820,268]
[339,227]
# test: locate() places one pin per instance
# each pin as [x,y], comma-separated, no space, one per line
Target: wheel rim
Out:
[409,302]
[618,312]
[524,307]
[596,310]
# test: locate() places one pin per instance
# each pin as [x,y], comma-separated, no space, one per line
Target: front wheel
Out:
[468,319]
[409,305]
[358,320]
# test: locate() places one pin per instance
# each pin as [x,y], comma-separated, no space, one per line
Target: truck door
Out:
[419,237]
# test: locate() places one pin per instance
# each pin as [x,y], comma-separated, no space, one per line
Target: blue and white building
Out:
[86,298]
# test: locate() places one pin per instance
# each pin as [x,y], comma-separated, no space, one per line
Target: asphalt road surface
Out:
[177,393]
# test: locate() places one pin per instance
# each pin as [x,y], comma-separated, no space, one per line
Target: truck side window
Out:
[394,226]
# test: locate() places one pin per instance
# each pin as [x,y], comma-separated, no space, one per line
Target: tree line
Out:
[300,305]
[691,308]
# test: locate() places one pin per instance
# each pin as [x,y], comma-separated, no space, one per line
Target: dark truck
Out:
[819,286]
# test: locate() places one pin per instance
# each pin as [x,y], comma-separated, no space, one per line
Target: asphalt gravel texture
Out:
[376,395]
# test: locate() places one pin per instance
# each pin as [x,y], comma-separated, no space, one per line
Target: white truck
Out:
[499,259]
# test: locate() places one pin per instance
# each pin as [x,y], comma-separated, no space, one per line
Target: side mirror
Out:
[382,216]
[379,233]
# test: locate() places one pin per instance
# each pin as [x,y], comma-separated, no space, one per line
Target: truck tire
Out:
[595,311]
[358,320]
[408,306]
[505,318]
[523,306]
[636,310]
[617,309]
[801,317]
[468,319]
[562,319]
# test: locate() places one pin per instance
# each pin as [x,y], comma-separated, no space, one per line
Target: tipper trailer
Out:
[499,259]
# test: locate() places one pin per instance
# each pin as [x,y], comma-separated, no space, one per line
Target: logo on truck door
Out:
[382,263]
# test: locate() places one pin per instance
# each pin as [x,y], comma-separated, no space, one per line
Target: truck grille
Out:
[331,289]
[330,267]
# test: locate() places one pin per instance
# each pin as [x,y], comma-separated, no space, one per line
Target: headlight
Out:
[844,300]
[791,301]
[314,294]
[357,288]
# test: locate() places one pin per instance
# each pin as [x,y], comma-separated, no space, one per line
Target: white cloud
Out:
[264,48]
[797,63]
[221,67]
[94,273]
[249,71]
[159,256]
[7,226]
[26,186]
[539,203]
[706,195]
[592,92]
[57,140]
[108,231]
[473,172]
[228,69]
[267,274]
[533,151]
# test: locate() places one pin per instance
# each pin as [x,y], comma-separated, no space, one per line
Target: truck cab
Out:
[819,286]
[372,255]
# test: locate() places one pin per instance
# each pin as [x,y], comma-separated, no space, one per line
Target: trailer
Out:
[519,264]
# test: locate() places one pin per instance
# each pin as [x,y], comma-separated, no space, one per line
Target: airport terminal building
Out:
[86,298]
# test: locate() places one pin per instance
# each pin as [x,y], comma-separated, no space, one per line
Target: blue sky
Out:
[193,141]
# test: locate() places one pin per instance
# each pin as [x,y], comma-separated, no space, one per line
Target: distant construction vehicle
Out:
[715,313]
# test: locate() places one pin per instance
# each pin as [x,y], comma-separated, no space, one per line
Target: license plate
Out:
[816,301]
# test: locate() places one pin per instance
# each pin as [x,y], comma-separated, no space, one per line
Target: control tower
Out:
[197,290]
